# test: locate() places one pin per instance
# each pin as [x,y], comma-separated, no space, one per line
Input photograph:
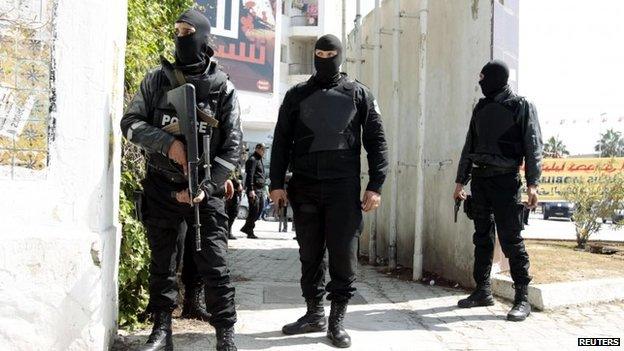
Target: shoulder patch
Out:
[376,105]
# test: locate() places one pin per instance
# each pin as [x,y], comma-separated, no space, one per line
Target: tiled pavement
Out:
[390,315]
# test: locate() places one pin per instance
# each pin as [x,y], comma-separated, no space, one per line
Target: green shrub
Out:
[150,34]
[595,199]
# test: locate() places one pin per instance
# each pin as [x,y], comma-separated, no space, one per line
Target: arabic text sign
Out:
[558,174]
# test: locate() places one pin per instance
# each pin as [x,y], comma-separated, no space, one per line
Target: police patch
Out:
[376,105]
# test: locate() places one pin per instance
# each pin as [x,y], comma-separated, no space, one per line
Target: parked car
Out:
[559,209]
[616,217]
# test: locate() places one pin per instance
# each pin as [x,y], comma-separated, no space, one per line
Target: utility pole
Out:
[372,242]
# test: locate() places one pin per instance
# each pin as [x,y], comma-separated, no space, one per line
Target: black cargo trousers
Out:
[497,208]
[256,206]
[328,216]
[163,216]
[231,209]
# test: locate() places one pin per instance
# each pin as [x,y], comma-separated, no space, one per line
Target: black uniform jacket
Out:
[504,132]
[254,173]
[320,132]
[148,113]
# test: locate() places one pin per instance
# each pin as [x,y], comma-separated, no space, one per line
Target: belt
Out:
[489,171]
[174,177]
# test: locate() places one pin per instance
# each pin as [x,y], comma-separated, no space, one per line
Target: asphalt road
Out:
[559,228]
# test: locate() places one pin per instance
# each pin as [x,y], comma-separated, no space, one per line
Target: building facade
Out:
[61,93]
[298,24]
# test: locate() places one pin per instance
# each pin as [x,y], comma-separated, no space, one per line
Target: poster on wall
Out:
[244,40]
[27,34]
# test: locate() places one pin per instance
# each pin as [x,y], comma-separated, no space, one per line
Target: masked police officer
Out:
[148,123]
[321,128]
[504,132]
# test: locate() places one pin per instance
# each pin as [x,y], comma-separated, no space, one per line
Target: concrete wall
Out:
[60,233]
[458,44]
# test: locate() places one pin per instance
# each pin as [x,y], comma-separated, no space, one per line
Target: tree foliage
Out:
[150,34]
[555,148]
[610,144]
[594,200]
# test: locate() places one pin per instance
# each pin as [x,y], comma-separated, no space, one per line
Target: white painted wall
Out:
[60,235]
[458,44]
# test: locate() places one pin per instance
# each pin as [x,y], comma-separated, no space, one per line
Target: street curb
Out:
[554,295]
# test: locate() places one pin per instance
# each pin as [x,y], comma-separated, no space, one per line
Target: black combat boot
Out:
[195,304]
[160,338]
[249,232]
[336,332]
[521,308]
[481,296]
[313,321]
[225,339]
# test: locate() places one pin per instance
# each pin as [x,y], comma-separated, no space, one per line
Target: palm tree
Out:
[611,144]
[555,148]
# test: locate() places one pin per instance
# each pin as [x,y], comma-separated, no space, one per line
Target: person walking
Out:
[254,186]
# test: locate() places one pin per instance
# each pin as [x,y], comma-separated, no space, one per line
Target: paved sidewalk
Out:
[389,314]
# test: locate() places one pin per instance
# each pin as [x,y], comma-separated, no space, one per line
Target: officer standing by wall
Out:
[149,122]
[254,186]
[504,131]
[321,127]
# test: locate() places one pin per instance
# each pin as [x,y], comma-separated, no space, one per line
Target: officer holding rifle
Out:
[152,122]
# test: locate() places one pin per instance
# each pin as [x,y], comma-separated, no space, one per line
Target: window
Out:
[284,54]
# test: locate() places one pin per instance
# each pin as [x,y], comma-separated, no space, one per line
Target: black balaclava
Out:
[328,69]
[192,51]
[495,76]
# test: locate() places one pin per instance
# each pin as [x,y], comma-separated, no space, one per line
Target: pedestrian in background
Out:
[254,186]
[232,204]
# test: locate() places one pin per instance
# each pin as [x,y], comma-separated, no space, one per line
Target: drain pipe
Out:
[358,39]
[392,233]
[372,241]
[344,23]
[420,128]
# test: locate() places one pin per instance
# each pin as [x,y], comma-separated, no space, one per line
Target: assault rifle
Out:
[182,99]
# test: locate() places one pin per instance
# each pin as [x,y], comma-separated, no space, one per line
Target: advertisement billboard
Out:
[559,173]
[244,40]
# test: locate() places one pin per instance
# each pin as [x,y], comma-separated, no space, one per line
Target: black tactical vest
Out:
[328,121]
[208,91]
[327,135]
[497,132]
